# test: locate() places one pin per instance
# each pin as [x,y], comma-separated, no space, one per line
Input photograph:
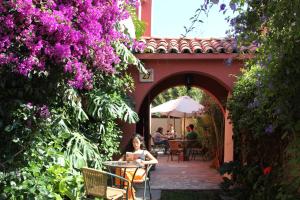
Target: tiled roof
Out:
[197,46]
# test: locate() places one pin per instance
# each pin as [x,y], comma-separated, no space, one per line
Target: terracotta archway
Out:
[196,79]
[206,71]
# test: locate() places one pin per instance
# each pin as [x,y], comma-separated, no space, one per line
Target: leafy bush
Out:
[264,107]
[63,86]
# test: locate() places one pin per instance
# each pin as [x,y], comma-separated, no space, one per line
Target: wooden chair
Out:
[175,149]
[197,149]
[95,182]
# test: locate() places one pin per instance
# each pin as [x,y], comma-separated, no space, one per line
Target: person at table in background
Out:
[160,138]
[191,134]
[171,132]
[143,157]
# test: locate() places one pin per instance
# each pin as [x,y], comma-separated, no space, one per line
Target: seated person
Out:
[191,134]
[159,138]
[144,157]
[171,133]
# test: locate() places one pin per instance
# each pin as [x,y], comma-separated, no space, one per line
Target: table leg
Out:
[186,154]
[112,179]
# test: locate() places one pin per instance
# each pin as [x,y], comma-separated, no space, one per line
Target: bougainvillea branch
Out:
[74,35]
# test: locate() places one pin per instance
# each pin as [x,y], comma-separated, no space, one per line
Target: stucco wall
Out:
[163,122]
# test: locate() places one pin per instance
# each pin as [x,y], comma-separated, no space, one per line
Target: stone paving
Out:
[183,175]
[194,175]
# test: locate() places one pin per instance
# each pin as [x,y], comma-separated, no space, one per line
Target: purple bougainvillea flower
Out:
[29,105]
[232,6]
[44,112]
[233,22]
[60,34]
[269,129]
[138,46]
[228,62]
[222,6]
[62,51]
[254,104]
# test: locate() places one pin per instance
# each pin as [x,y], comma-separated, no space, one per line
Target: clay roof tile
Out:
[159,45]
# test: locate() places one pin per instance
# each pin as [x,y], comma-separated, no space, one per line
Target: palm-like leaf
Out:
[104,105]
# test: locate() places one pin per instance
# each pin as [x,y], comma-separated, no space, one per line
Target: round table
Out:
[124,165]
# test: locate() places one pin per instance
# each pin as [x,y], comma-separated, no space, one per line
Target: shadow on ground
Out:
[190,195]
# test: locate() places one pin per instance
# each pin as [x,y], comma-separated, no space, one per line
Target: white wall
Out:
[163,122]
[179,124]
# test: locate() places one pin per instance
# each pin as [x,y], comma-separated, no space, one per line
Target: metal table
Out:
[124,165]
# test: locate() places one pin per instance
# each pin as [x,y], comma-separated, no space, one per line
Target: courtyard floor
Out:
[183,175]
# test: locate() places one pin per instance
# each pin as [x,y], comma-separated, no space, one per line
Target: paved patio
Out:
[183,175]
[193,175]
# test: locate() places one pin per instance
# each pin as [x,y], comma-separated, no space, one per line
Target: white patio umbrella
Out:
[183,106]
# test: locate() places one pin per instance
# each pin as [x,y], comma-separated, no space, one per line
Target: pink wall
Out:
[209,70]
[213,68]
[216,79]
[146,15]
[228,142]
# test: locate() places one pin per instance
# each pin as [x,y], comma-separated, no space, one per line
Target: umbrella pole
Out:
[184,126]
[168,122]
[174,122]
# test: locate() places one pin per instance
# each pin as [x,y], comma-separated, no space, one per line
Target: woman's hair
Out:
[160,129]
[130,146]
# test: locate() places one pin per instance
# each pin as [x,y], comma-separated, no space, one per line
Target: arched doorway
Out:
[206,71]
[214,87]
[210,64]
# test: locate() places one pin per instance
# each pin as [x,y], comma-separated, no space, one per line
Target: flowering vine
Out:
[74,35]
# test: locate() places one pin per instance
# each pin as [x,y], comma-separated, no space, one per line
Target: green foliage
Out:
[213,125]
[175,92]
[249,182]
[49,130]
[244,109]
[139,26]
[264,107]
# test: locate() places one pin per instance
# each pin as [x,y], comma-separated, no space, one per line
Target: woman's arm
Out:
[163,136]
[150,157]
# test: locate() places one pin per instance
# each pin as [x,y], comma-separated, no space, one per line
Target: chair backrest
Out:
[95,182]
[152,142]
[174,145]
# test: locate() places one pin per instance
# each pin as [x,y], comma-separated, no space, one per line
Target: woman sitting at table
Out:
[143,157]
[160,138]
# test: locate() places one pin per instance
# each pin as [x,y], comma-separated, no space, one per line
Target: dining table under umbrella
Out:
[183,107]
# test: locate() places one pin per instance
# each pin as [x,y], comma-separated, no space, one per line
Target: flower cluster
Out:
[40,111]
[138,46]
[76,35]
[267,170]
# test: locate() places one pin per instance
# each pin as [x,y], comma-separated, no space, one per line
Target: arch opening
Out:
[189,79]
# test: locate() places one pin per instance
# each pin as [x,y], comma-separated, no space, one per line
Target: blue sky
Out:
[170,16]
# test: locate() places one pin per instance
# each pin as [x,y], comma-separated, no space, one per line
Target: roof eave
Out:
[180,56]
